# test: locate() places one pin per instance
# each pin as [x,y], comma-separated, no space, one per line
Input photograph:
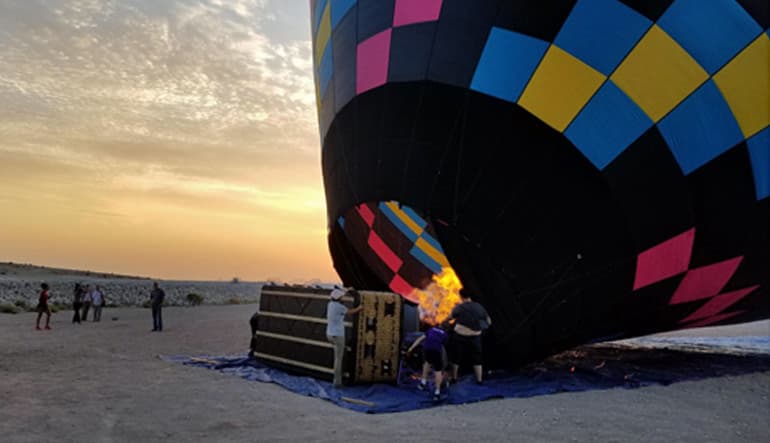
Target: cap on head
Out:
[337,294]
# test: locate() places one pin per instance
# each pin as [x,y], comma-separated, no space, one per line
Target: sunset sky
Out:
[172,139]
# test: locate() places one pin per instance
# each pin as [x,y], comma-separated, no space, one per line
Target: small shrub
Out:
[21,304]
[146,304]
[194,299]
[9,309]
[234,301]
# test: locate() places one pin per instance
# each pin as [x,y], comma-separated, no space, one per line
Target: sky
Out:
[173,139]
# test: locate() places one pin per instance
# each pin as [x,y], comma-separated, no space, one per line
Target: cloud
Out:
[186,104]
[192,73]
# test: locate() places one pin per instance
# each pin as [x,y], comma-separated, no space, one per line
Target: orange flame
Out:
[439,298]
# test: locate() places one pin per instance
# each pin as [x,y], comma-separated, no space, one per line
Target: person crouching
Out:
[434,356]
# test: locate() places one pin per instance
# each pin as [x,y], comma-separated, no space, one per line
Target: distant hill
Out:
[28,271]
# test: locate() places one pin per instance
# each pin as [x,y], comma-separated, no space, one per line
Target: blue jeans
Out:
[157,318]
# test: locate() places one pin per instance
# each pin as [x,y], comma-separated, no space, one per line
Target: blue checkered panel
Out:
[344,47]
[701,128]
[507,63]
[601,33]
[374,16]
[460,38]
[325,70]
[608,124]
[411,61]
[712,31]
[339,9]
[759,152]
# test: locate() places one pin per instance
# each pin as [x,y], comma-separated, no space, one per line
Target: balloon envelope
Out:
[590,169]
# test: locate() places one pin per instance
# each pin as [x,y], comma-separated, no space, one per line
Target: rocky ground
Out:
[20,287]
[103,382]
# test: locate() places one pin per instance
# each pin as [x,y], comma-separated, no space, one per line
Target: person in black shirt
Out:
[156,302]
[254,324]
[470,320]
[77,301]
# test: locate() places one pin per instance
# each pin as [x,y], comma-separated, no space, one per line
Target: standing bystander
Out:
[156,302]
[42,307]
[86,303]
[97,301]
[77,302]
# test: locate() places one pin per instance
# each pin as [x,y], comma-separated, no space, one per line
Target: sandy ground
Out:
[102,382]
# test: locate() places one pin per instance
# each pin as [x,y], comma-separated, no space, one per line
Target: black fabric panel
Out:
[368,117]
[436,136]
[759,9]
[460,38]
[414,272]
[649,185]
[357,233]
[293,328]
[311,354]
[541,19]
[339,183]
[374,16]
[652,9]
[730,223]
[344,58]
[327,109]
[350,266]
[391,235]
[647,309]
[293,305]
[410,52]
[400,111]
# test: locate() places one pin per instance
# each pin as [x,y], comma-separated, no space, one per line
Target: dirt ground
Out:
[103,382]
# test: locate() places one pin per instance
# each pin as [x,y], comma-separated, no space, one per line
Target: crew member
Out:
[471,319]
[335,329]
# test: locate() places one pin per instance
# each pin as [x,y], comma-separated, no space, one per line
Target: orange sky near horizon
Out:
[174,140]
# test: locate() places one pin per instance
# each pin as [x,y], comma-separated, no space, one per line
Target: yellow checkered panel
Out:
[745,84]
[559,88]
[324,33]
[658,74]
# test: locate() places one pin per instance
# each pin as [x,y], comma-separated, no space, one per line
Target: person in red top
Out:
[42,306]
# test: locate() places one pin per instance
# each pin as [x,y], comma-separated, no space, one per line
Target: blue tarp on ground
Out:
[627,364]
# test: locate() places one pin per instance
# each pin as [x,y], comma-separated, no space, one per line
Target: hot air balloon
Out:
[590,169]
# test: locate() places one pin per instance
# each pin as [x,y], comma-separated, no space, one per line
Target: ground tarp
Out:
[627,364]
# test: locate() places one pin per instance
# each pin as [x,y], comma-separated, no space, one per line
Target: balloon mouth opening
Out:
[401,248]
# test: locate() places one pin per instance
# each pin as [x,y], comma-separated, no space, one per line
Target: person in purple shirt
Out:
[434,356]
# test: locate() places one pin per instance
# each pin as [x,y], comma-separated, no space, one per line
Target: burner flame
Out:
[439,298]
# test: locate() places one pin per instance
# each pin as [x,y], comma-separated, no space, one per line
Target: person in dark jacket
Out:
[42,307]
[254,324]
[77,301]
[156,303]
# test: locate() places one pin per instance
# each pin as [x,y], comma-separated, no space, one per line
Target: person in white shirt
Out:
[97,302]
[335,329]
[86,303]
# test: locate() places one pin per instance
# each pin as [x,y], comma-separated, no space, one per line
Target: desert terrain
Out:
[104,382]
